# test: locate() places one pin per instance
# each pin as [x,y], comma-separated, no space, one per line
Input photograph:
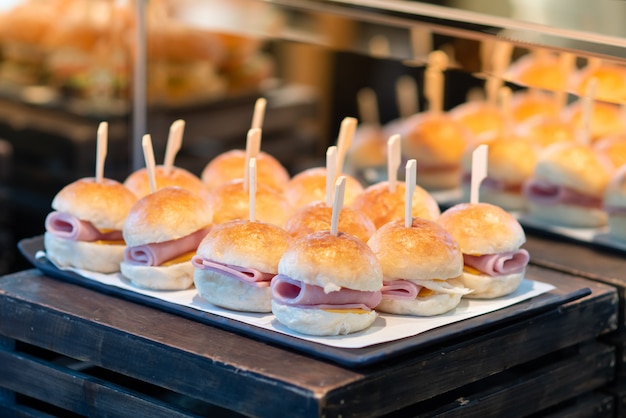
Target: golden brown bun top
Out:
[368,149]
[167,214]
[318,216]
[435,139]
[231,166]
[545,131]
[611,82]
[309,186]
[482,228]
[232,201]
[479,117]
[606,118]
[332,262]
[139,183]
[542,70]
[256,245]
[382,206]
[511,160]
[529,103]
[424,251]
[105,204]
[575,166]
[613,147]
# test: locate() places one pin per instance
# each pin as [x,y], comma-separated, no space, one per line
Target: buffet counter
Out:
[93,353]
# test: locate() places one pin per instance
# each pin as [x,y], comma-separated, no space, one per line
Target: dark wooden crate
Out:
[240,374]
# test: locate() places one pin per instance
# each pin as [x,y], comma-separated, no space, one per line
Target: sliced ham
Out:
[246,275]
[155,254]
[70,227]
[499,264]
[292,292]
[400,289]
[542,192]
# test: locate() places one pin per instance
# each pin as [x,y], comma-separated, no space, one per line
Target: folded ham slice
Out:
[70,227]
[155,254]
[400,289]
[292,292]
[246,275]
[499,264]
[542,192]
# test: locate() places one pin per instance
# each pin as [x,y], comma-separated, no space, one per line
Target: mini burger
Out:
[162,232]
[567,186]
[420,265]
[85,228]
[138,182]
[235,263]
[317,216]
[309,186]
[382,205]
[231,165]
[490,239]
[327,285]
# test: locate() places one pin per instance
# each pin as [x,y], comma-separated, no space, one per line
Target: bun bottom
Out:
[320,322]
[489,287]
[230,293]
[617,226]
[101,258]
[440,179]
[175,277]
[436,304]
[569,215]
[506,200]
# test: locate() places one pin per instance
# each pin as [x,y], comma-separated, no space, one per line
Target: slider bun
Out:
[480,117]
[613,147]
[368,149]
[383,206]
[320,322]
[230,293]
[575,166]
[256,245]
[434,139]
[102,258]
[167,214]
[610,79]
[230,201]
[606,118]
[177,276]
[511,160]
[541,70]
[482,228]
[318,216]
[489,287]
[105,204]
[309,186]
[528,103]
[568,215]
[435,304]
[422,252]
[332,262]
[231,165]
[544,131]
[139,183]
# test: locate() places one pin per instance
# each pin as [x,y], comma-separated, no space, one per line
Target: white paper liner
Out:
[387,327]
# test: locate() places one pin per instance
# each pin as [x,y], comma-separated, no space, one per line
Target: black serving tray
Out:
[353,357]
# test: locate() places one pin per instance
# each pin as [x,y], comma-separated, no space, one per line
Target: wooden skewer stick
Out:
[174,142]
[148,155]
[101,150]
[340,188]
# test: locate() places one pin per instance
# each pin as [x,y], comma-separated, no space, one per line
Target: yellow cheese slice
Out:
[355,310]
[180,259]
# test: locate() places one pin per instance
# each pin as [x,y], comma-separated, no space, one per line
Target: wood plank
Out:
[592,405]
[21,411]
[529,389]
[76,392]
[223,368]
